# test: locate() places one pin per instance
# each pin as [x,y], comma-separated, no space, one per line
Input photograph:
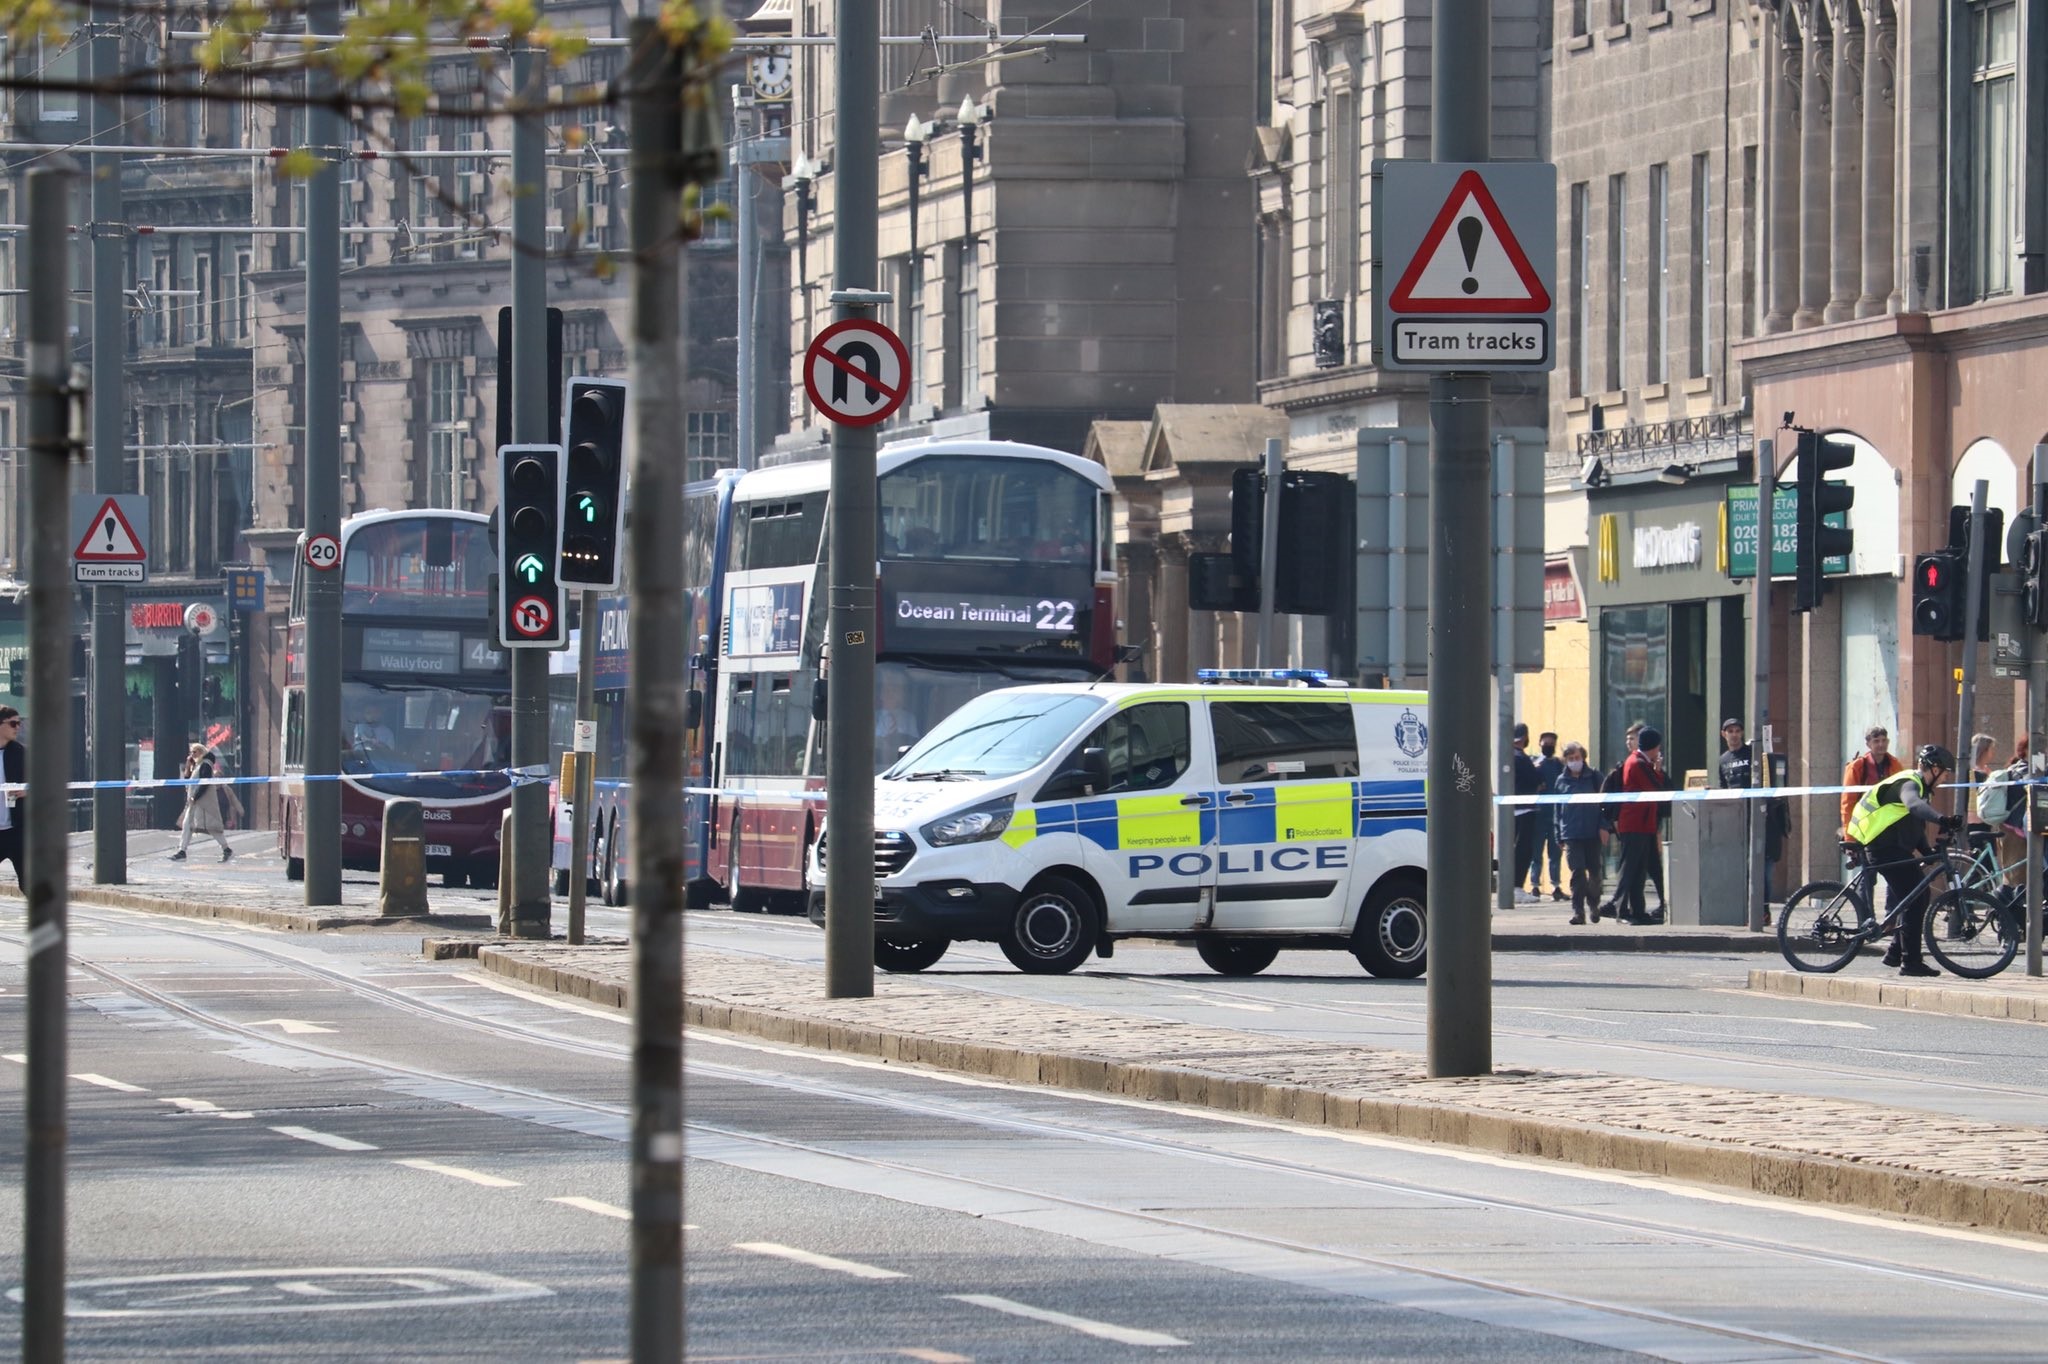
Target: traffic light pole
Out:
[850,696]
[1269,554]
[1973,607]
[586,760]
[1460,979]
[109,350]
[323,476]
[2037,737]
[529,376]
[1760,684]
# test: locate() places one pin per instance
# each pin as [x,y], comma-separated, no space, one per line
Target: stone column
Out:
[1781,225]
[1880,53]
[1815,123]
[1845,233]
[1174,618]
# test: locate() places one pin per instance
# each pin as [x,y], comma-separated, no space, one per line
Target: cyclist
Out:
[1889,823]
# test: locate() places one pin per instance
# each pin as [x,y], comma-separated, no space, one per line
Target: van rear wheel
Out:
[1235,956]
[1054,928]
[908,957]
[1392,936]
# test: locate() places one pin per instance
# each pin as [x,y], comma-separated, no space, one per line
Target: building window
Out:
[1660,273]
[1617,277]
[473,194]
[718,211]
[1581,17]
[1702,330]
[8,278]
[163,308]
[1617,12]
[238,298]
[1272,284]
[1581,301]
[201,313]
[447,395]
[1993,174]
[913,329]
[1751,274]
[970,325]
[708,444]
[60,62]
[1343,231]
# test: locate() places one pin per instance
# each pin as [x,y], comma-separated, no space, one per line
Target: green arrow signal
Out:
[530,567]
[586,507]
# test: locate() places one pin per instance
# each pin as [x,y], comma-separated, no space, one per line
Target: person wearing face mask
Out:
[1577,828]
[1548,849]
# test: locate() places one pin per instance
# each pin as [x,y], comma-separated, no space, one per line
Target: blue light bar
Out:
[1314,677]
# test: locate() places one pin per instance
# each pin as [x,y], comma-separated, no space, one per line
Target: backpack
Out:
[1611,783]
[1997,799]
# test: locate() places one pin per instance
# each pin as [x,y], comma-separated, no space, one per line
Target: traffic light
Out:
[594,480]
[2034,566]
[1818,499]
[1313,532]
[1939,594]
[1994,559]
[530,612]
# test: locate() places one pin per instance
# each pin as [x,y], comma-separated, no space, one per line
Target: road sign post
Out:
[108,538]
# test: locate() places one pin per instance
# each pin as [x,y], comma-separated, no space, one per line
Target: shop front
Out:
[180,687]
[1666,624]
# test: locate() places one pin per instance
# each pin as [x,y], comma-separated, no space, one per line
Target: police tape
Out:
[1677,795]
[516,776]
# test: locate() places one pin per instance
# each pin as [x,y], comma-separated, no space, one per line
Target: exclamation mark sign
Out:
[110,534]
[1470,230]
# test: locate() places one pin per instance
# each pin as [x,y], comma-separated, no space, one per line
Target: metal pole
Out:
[2037,739]
[1269,554]
[109,475]
[1459,992]
[657,679]
[850,699]
[1760,684]
[1506,852]
[323,479]
[1966,712]
[49,757]
[586,760]
[531,842]
[748,254]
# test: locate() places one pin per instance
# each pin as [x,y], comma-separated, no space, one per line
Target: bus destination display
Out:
[981,614]
[428,652]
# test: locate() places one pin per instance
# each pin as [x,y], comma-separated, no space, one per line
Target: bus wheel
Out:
[455,878]
[1053,930]
[1392,937]
[483,873]
[738,898]
[1236,956]
[561,886]
[907,957]
[295,869]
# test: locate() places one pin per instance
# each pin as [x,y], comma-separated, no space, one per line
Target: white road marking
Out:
[327,1139]
[1230,1004]
[19,1058]
[592,1205]
[204,1106]
[290,1026]
[609,1015]
[1921,1056]
[1101,1330]
[815,1260]
[104,1083]
[457,1172]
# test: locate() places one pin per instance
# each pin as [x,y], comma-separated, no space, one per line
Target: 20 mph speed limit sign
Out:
[856,372]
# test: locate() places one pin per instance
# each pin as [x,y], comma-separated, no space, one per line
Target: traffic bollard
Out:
[505,874]
[402,871]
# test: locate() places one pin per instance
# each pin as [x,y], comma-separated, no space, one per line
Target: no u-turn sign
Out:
[856,372]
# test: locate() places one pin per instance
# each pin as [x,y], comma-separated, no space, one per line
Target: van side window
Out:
[1264,741]
[1147,747]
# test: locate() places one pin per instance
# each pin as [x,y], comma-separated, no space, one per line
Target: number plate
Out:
[439,850]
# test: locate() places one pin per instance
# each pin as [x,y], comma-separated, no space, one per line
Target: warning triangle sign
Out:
[1469,261]
[109,539]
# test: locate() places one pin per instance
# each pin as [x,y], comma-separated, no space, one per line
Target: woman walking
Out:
[203,804]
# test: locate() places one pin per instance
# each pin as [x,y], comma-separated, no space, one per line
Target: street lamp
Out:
[971,117]
[803,178]
[914,136]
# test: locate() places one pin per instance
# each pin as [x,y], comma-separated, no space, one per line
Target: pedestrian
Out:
[1609,812]
[14,770]
[1890,825]
[1579,830]
[1637,821]
[1548,847]
[1740,770]
[1982,832]
[1867,768]
[204,805]
[1527,783]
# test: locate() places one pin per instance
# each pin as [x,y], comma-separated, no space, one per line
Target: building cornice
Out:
[1864,341]
[1325,388]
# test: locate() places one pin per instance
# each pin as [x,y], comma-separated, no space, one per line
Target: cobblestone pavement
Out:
[1819,1150]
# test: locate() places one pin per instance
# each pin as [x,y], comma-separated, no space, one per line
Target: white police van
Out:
[1054,820]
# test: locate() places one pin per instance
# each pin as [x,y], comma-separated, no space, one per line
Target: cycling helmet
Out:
[1934,755]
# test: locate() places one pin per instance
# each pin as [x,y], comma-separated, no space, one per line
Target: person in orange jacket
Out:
[1867,769]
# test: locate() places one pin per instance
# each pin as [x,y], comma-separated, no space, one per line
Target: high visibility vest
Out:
[1879,810]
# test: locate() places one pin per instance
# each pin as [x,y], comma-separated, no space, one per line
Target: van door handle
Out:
[1240,798]
[1194,800]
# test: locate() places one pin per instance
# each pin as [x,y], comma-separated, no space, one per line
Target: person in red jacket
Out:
[1637,824]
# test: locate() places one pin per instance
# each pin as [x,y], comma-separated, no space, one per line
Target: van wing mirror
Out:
[1086,773]
[819,696]
[693,708]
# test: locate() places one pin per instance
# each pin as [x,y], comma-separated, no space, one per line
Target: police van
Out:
[1053,820]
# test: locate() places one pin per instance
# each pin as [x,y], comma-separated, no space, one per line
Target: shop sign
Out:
[1561,600]
[245,586]
[1667,546]
[154,626]
[1740,533]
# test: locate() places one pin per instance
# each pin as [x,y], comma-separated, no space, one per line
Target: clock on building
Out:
[771,74]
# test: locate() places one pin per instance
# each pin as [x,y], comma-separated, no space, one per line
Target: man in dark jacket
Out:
[1548,847]
[1527,783]
[14,768]
[1578,830]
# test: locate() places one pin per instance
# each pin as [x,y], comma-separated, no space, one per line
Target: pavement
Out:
[1815,1150]
[2011,994]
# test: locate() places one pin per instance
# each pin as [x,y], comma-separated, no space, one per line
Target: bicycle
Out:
[1826,923]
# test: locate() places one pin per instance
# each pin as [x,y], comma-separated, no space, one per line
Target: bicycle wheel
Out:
[1972,934]
[1818,930]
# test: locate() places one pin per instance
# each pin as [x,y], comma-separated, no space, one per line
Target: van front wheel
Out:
[1392,937]
[1053,930]
[1235,956]
[907,957]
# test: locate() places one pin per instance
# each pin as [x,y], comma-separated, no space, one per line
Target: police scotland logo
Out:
[1411,736]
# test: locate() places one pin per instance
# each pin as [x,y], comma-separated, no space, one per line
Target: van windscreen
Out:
[996,734]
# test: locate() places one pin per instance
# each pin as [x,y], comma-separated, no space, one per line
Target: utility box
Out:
[1708,869]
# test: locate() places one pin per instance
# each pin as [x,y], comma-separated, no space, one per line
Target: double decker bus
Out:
[994,568]
[425,690]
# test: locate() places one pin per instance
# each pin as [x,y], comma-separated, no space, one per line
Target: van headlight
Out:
[976,825]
